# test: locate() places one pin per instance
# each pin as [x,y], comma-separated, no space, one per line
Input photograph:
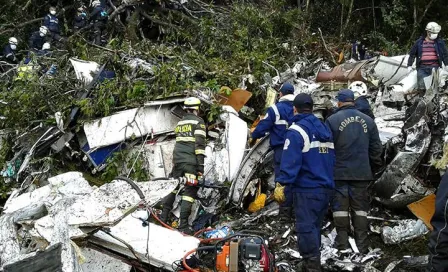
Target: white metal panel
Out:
[130,123]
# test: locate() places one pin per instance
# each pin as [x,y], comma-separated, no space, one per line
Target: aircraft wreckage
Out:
[74,226]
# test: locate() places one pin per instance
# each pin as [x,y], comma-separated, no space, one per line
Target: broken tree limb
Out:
[121,8]
[156,21]
[13,27]
[326,48]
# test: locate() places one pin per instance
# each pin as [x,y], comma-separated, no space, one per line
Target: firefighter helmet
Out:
[359,88]
[13,40]
[192,103]
[433,27]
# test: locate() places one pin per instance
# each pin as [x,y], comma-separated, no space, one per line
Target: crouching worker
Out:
[188,159]
[276,121]
[307,166]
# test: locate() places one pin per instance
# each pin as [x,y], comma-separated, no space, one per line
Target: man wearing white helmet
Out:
[37,39]
[52,23]
[9,51]
[359,88]
[430,53]
[99,19]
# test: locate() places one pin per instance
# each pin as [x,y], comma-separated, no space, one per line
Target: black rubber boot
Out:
[167,207]
[361,225]
[185,210]
[342,227]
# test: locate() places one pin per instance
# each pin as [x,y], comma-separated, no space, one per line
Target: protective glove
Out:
[279,193]
[188,181]
[410,69]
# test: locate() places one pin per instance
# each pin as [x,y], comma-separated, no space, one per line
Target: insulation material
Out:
[99,262]
[67,203]
[164,246]
[130,123]
[405,230]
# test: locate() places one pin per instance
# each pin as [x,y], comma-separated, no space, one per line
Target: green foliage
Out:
[120,162]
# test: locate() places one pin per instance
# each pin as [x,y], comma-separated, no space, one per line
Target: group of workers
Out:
[318,164]
[50,31]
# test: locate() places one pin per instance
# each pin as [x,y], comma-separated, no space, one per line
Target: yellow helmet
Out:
[192,103]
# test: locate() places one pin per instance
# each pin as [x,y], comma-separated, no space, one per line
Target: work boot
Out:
[311,265]
[342,225]
[361,225]
[185,210]
[167,207]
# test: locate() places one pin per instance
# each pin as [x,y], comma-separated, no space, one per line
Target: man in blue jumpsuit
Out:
[276,121]
[52,23]
[438,240]
[307,166]
[358,149]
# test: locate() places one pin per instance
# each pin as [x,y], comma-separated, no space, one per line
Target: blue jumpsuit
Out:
[307,166]
[276,121]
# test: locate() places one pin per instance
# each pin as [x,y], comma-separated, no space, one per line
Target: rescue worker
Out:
[37,39]
[358,50]
[188,159]
[276,121]
[438,239]
[52,23]
[358,148]
[430,52]
[80,19]
[9,51]
[307,166]
[359,89]
[99,18]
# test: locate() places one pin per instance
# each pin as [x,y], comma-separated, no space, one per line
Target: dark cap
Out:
[303,101]
[346,95]
[287,88]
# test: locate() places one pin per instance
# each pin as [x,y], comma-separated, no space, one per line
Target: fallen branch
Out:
[326,48]
[121,8]
[13,27]
[154,20]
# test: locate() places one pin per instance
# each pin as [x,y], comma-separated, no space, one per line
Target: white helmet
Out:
[13,40]
[433,27]
[359,88]
[46,46]
[43,30]
[95,3]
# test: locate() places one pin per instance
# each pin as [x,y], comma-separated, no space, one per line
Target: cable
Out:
[184,261]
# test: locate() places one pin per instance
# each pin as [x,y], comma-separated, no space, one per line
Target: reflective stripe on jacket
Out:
[276,121]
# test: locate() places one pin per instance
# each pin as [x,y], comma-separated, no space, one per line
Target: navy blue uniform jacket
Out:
[308,156]
[357,144]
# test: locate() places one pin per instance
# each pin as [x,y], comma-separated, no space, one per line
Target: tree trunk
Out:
[349,15]
[307,6]
[342,21]
[416,24]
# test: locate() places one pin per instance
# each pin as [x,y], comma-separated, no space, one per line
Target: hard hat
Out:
[359,88]
[13,40]
[43,30]
[46,46]
[95,3]
[433,27]
[192,103]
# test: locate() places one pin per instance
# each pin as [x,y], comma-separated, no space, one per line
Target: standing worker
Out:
[357,147]
[307,166]
[99,18]
[359,89]
[9,51]
[52,23]
[438,240]
[188,159]
[276,121]
[430,52]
